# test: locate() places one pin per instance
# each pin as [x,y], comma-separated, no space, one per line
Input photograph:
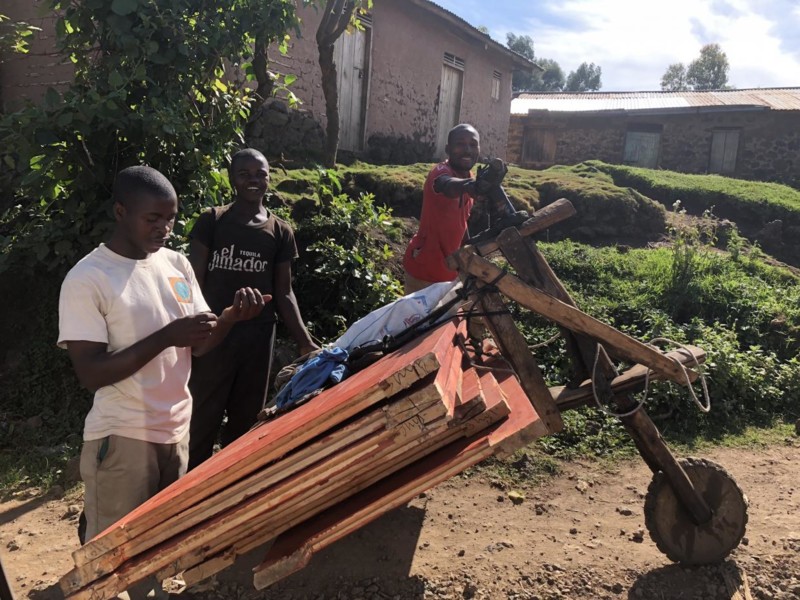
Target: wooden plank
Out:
[262,529]
[498,410]
[571,318]
[442,388]
[372,423]
[543,218]
[298,474]
[292,551]
[275,507]
[472,402]
[631,381]
[274,439]
[358,458]
[514,347]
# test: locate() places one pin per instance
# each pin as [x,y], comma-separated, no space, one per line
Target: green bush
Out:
[342,274]
[161,83]
[744,314]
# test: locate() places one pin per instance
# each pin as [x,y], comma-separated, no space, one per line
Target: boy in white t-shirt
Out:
[130,316]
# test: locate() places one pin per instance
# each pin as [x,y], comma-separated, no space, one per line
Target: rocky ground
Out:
[580,535]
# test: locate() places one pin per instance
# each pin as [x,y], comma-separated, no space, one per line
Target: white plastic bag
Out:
[398,315]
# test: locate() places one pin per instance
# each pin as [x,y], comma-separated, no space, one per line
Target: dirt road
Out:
[579,536]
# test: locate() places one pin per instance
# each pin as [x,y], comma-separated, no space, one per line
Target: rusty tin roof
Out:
[766,98]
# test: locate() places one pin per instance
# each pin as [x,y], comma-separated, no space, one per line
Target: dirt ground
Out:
[581,535]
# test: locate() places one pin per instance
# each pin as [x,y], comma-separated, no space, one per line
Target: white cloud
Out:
[634,42]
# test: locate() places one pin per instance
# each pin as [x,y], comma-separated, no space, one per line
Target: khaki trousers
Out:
[120,474]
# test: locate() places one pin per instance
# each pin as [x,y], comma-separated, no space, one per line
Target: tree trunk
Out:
[261,69]
[331,91]
[335,20]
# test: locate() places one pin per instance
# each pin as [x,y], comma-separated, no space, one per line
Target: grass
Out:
[668,186]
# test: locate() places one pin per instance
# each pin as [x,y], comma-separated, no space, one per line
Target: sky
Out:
[634,41]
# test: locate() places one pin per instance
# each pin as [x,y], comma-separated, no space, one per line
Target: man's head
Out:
[249,175]
[145,206]
[463,147]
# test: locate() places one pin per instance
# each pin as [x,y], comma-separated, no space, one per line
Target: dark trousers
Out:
[230,380]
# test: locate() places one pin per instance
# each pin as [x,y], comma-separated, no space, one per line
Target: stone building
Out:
[748,133]
[413,72]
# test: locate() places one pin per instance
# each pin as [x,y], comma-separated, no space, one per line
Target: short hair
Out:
[245,153]
[459,128]
[132,182]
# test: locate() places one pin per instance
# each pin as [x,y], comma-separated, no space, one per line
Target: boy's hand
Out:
[191,330]
[247,303]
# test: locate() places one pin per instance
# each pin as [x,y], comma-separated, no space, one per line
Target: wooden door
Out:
[449,106]
[724,148]
[539,146]
[350,55]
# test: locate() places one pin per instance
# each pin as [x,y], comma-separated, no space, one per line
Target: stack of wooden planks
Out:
[311,476]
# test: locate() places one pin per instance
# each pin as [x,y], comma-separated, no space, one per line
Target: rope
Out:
[704,408]
[686,352]
[597,401]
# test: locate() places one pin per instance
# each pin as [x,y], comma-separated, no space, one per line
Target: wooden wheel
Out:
[674,531]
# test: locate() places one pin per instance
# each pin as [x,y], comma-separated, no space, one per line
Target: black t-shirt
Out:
[241,255]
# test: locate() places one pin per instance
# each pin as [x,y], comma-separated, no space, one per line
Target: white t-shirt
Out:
[118,301]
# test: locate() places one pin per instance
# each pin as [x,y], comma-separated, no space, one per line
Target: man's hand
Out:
[247,304]
[191,330]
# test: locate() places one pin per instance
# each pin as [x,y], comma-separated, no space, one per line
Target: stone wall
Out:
[769,140]
[285,134]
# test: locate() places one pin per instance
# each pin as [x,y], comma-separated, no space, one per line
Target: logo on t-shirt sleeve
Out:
[181,289]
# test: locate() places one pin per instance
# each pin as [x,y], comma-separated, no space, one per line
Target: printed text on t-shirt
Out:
[225,260]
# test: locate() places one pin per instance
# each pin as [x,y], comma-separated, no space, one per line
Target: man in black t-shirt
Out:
[241,244]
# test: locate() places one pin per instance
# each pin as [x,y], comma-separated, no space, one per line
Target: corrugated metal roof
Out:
[771,98]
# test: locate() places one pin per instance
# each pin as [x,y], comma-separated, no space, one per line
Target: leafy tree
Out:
[586,78]
[337,17]
[160,82]
[674,78]
[710,70]
[707,72]
[551,79]
[523,45]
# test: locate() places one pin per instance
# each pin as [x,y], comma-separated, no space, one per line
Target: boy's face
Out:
[250,178]
[463,149]
[144,224]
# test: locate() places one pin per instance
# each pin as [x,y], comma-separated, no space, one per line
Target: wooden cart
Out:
[694,510]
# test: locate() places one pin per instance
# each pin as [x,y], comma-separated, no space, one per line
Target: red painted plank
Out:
[294,548]
[280,436]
